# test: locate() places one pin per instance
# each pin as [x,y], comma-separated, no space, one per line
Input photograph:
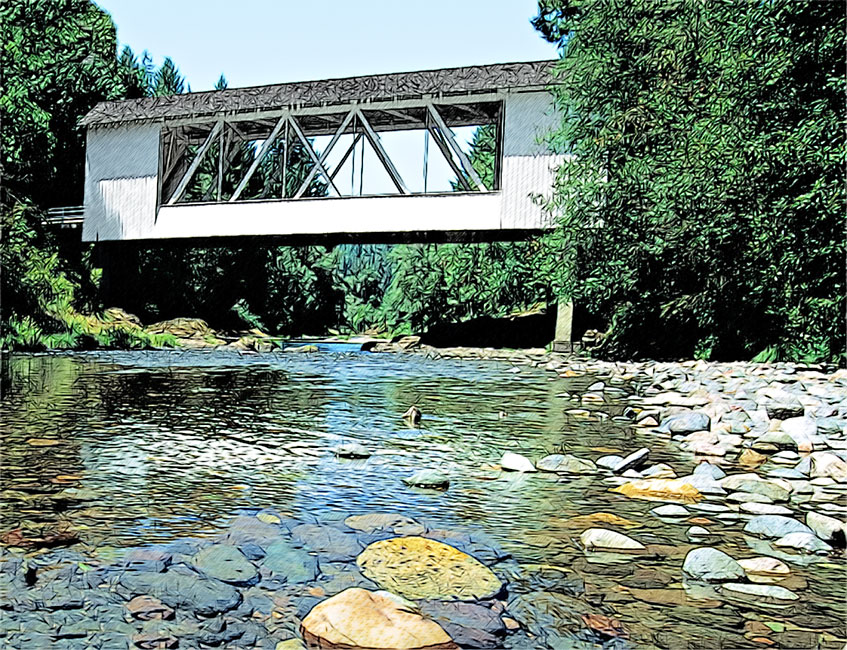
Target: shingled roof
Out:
[371,88]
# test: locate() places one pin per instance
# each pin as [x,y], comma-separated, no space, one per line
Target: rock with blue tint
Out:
[293,564]
[687,422]
[806,542]
[712,565]
[775,526]
[226,563]
[203,596]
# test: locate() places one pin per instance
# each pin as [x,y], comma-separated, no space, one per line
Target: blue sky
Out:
[255,42]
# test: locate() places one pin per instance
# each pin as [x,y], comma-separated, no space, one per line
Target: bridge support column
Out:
[563,339]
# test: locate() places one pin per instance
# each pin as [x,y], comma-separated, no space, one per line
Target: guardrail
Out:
[65,217]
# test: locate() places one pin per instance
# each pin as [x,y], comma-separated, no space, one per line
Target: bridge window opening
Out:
[425,149]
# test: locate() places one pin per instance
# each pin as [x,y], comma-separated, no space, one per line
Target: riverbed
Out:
[150,449]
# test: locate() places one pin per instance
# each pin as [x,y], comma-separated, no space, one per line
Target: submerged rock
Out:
[376,620]
[765,594]
[658,489]
[203,596]
[428,478]
[603,539]
[421,568]
[382,521]
[565,463]
[712,565]
[468,624]
[351,450]
[225,563]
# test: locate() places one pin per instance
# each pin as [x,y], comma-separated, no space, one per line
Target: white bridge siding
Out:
[122,192]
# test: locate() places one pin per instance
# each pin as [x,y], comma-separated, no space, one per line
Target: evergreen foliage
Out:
[703,206]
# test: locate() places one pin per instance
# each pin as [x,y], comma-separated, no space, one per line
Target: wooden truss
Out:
[224,138]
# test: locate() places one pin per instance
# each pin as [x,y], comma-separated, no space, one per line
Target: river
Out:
[151,447]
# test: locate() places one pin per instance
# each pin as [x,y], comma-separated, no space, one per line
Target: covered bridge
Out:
[374,158]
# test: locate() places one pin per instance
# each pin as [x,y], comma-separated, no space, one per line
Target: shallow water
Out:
[153,446]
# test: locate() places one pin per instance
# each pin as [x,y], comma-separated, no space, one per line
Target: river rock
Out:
[686,422]
[635,460]
[375,620]
[513,462]
[774,526]
[829,529]
[748,497]
[670,510]
[827,464]
[659,470]
[378,522]
[754,483]
[802,541]
[609,462]
[709,470]
[468,624]
[765,594]
[659,489]
[351,450]
[428,478]
[697,532]
[225,563]
[765,566]
[327,541]
[752,508]
[712,565]
[295,565]
[565,463]
[203,596]
[779,404]
[412,415]
[244,530]
[421,568]
[147,608]
[603,539]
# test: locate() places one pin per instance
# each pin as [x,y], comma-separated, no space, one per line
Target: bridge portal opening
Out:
[420,148]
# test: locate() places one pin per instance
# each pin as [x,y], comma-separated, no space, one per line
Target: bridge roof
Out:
[301,94]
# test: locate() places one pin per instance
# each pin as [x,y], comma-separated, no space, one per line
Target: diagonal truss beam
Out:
[346,155]
[445,151]
[319,166]
[447,132]
[266,145]
[373,138]
[339,132]
[186,178]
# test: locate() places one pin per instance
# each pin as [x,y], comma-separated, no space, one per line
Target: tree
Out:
[703,204]
[167,80]
[57,61]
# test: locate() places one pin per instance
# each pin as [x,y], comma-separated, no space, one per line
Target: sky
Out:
[256,42]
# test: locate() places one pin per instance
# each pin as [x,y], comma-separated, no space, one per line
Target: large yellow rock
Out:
[660,489]
[416,567]
[371,620]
